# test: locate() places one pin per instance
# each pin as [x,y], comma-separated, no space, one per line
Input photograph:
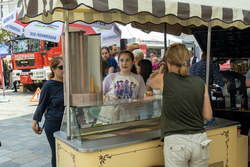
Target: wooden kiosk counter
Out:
[128,135]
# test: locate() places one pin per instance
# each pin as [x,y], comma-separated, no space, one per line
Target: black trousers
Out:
[50,128]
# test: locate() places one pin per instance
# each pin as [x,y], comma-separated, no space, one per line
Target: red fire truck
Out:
[31,59]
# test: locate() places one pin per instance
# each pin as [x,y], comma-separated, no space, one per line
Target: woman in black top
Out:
[51,103]
[185,106]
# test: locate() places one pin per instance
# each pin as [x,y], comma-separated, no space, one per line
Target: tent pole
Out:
[208,53]
[165,36]
[66,30]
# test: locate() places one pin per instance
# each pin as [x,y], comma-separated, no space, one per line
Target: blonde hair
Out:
[155,59]
[53,64]
[138,53]
[178,55]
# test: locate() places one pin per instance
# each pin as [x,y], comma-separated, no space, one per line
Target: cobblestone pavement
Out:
[21,147]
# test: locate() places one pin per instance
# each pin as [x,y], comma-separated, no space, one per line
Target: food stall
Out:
[104,144]
[231,45]
[130,136]
[124,131]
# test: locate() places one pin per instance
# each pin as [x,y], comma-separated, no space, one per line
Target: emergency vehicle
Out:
[31,59]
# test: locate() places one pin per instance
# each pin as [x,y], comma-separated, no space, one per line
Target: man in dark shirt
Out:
[199,69]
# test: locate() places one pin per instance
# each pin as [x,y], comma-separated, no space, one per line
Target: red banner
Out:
[144,50]
[1,74]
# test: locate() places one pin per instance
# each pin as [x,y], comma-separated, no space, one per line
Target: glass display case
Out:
[113,118]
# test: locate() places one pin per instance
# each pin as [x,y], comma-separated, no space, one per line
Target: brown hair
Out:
[53,63]
[131,55]
[178,55]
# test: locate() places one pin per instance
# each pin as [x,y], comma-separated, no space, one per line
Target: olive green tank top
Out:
[183,98]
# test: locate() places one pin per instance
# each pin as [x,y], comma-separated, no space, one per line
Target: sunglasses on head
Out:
[175,44]
[59,67]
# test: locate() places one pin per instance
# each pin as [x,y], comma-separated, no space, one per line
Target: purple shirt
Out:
[119,86]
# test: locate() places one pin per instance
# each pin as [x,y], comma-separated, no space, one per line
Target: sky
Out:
[3,48]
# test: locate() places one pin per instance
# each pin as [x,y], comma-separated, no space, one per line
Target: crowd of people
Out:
[128,75]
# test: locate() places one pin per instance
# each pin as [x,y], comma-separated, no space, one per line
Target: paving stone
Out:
[25,159]
[9,164]
[7,143]
[37,163]
[24,139]
[17,147]
[4,159]
[44,153]
[20,145]
[4,151]
[47,165]
[18,154]
[33,142]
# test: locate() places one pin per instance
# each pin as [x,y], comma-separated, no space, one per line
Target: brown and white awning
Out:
[224,13]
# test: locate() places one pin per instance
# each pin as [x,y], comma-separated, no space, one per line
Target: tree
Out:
[5,37]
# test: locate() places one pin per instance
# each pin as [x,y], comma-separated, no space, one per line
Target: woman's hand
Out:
[152,76]
[35,129]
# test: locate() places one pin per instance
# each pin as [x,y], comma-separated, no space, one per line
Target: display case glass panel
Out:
[113,118]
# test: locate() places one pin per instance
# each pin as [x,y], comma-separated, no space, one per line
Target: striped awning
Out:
[223,13]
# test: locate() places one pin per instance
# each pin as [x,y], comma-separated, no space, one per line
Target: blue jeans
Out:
[50,128]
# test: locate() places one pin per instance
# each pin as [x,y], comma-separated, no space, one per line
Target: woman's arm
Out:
[156,81]
[41,108]
[207,110]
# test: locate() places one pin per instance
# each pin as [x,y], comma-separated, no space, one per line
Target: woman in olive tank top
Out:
[185,106]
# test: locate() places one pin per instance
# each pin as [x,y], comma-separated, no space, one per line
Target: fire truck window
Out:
[49,45]
[26,45]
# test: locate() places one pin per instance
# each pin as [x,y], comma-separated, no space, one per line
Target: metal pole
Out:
[165,36]
[208,52]
[66,31]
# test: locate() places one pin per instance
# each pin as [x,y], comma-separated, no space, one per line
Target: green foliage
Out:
[5,36]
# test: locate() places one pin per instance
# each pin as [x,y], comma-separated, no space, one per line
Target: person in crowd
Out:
[113,50]
[124,84]
[193,58]
[155,63]
[13,85]
[116,57]
[112,64]
[185,106]
[153,54]
[139,55]
[131,47]
[51,103]
[199,69]
[5,73]
[248,78]
[145,69]
[104,68]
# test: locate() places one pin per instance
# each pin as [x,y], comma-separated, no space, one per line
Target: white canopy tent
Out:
[141,37]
